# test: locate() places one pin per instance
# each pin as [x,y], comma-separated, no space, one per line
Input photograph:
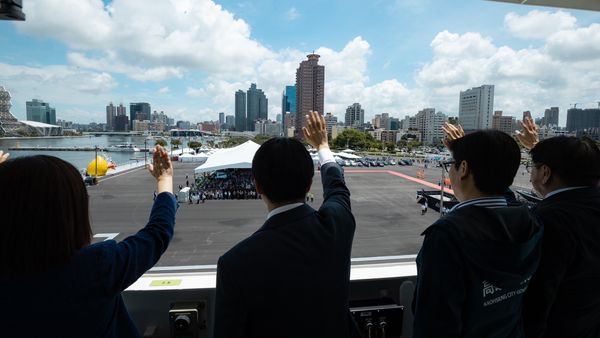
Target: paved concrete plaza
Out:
[389,221]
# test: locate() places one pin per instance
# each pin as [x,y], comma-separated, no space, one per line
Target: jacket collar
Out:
[287,217]
[584,192]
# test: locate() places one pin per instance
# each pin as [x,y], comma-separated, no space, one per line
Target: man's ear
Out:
[258,188]
[463,170]
[546,173]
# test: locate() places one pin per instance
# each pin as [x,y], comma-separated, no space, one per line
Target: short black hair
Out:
[576,161]
[283,169]
[44,214]
[493,158]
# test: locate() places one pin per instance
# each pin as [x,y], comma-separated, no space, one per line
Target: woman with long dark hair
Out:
[53,282]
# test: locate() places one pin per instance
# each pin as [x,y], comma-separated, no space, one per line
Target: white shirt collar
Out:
[283,208]
[489,202]
[557,191]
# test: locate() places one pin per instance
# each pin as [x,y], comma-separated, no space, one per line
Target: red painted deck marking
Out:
[406,177]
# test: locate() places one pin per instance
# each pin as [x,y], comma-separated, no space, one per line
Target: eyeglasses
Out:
[446,165]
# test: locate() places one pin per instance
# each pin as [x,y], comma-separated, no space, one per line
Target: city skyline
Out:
[519,49]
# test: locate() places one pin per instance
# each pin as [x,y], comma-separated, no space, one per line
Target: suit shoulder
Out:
[248,247]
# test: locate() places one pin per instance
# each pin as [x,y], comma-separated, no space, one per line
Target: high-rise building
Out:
[408,122]
[310,90]
[288,105]
[157,117]
[138,111]
[475,107]
[257,106]
[505,124]
[121,110]
[330,121]
[221,118]
[394,123]
[527,114]
[386,121]
[581,119]
[230,121]
[240,111]
[111,114]
[376,121]
[121,122]
[183,125]
[290,93]
[355,116]
[430,124]
[268,128]
[40,111]
[551,117]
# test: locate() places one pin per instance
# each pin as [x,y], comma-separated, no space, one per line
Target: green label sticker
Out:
[165,282]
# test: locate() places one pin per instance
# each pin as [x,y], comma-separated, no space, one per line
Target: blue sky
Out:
[392,56]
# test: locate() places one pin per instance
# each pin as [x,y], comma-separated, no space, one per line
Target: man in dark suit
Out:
[291,277]
[563,298]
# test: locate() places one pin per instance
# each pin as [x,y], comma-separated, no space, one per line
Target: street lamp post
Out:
[442,191]
[145,151]
[96,159]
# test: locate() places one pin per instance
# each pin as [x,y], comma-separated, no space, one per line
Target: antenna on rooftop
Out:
[574,105]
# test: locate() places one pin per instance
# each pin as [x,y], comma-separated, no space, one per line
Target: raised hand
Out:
[162,170]
[3,156]
[315,130]
[452,133]
[528,135]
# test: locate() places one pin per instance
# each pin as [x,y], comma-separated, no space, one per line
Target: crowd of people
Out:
[490,267]
[230,184]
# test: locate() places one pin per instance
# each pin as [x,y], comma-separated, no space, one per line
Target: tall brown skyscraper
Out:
[310,90]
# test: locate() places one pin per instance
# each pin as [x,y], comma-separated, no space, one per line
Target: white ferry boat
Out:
[123,148]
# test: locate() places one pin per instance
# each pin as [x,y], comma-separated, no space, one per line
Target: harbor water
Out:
[79,159]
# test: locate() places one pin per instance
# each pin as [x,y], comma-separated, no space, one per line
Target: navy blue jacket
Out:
[472,271]
[83,297]
[291,277]
[563,299]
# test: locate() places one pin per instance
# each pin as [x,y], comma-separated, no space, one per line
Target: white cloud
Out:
[525,79]
[580,44]
[538,24]
[190,39]
[59,85]
[170,35]
[112,63]
[468,45]
[292,14]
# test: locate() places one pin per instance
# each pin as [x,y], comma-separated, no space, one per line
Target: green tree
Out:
[176,143]
[233,141]
[413,144]
[453,120]
[161,142]
[194,144]
[260,139]
[354,139]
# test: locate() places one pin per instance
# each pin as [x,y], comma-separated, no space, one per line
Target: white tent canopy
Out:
[347,156]
[239,157]
[348,151]
[201,158]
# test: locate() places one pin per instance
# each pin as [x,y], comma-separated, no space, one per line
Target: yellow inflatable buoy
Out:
[102,166]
